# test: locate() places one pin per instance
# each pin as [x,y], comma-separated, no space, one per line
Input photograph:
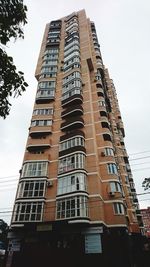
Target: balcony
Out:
[71,124]
[76,98]
[45,96]
[76,110]
[53,42]
[70,135]
[38,144]
[121,127]
[40,131]
[138,213]
[56,24]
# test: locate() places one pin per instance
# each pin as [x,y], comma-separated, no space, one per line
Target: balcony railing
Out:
[71,124]
[75,110]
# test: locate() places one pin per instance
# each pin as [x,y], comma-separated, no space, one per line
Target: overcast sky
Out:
[123,29]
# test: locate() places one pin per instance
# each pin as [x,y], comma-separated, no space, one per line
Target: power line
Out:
[141,163]
[13,180]
[140,169]
[139,158]
[142,152]
[11,176]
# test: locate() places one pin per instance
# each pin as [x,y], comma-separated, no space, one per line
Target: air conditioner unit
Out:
[103,154]
[112,194]
[50,183]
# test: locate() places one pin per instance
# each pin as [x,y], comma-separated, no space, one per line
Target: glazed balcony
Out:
[71,124]
[45,96]
[70,135]
[53,42]
[75,110]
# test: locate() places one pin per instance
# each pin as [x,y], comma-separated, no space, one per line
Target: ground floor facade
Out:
[71,245]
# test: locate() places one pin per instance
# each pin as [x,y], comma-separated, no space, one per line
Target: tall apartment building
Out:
[76,201]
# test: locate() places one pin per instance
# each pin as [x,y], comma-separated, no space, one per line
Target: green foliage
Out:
[12,84]
[146,183]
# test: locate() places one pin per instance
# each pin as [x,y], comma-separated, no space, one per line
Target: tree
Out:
[146,183]
[3,231]
[12,83]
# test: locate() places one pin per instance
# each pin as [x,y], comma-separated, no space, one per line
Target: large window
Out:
[34,169]
[70,44]
[72,54]
[51,51]
[71,67]
[70,183]
[41,123]
[74,84]
[46,84]
[50,57]
[74,59]
[43,111]
[115,187]
[75,161]
[42,93]
[31,212]
[74,47]
[31,189]
[76,141]
[109,151]
[119,208]
[72,207]
[48,69]
[112,168]
[72,76]
[74,91]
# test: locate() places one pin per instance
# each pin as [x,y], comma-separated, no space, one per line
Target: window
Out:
[74,59]
[48,69]
[31,189]
[101,103]
[76,141]
[71,92]
[72,54]
[72,162]
[107,137]
[69,86]
[72,48]
[105,124]
[112,168]
[47,84]
[71,67]
[26,211]
[72,207]
[51,51]
[103,113]
[119,208]
[34,169]
[70,44]
[41,123]
[109,151]
[48,93]
[43,111]
[70,183]
[72,76]
[115,187]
